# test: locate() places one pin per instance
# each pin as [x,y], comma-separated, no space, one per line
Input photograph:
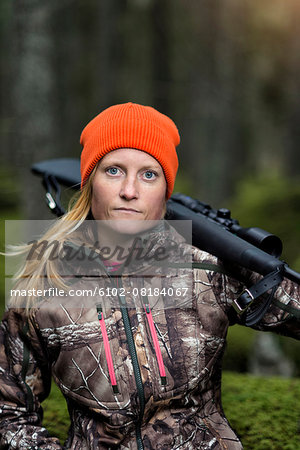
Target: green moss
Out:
[264,412]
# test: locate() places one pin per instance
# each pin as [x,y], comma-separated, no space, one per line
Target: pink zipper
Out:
[156,345]
[108,356]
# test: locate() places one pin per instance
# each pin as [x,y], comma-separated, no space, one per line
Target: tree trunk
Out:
[34,129]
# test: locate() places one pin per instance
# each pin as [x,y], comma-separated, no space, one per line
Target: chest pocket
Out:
[177,331]
[189,353]
[81,369]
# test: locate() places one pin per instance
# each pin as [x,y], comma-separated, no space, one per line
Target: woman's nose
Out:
[129,188]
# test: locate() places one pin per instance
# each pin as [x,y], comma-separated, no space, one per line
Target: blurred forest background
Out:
[226,71]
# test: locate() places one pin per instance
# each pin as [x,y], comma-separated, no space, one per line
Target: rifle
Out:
[213,231]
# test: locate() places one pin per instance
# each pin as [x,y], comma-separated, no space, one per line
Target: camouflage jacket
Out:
[134,377]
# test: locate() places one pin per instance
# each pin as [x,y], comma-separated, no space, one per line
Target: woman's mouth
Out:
[128,210]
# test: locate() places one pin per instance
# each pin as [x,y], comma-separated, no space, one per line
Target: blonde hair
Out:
[37,274]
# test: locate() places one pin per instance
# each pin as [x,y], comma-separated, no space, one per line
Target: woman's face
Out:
[128,184]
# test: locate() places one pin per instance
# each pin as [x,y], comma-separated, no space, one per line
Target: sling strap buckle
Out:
[246,298]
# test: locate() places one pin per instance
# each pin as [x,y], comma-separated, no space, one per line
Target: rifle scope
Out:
[260,238]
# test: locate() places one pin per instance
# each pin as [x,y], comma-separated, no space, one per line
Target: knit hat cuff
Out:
[140,134]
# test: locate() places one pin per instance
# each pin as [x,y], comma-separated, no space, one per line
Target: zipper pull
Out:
[107,351]
[99,311]
[163,381]
[159,358]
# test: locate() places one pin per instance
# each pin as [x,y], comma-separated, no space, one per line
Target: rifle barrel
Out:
[291,274]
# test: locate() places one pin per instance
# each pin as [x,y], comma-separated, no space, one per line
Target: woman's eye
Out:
[149,175]
[112,170]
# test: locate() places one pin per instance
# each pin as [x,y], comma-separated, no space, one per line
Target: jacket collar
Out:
[150,249]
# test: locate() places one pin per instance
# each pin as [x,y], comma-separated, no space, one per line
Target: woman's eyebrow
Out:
[150,167]
[122,164]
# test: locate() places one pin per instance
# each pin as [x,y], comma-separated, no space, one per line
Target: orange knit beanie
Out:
[130,125]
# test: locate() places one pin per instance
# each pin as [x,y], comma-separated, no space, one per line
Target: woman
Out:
[137,371]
